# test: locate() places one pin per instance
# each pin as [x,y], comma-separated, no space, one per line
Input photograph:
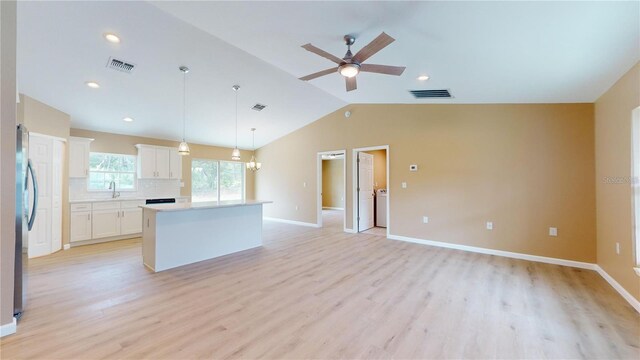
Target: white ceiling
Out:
[61,46]
[484,52]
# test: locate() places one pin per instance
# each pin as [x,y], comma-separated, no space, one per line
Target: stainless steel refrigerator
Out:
[25,212]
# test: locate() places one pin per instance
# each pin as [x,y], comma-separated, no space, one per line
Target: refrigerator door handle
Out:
[32,218]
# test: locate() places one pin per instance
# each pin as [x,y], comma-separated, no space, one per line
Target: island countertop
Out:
[203,205]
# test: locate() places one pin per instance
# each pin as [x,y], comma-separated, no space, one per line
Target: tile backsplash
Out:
[147,188]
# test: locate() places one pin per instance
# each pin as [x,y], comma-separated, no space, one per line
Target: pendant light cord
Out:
[184,104]
[237,118]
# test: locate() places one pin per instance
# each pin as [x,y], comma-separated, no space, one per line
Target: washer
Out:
[381,208]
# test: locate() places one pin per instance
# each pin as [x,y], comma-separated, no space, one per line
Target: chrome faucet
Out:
[112,186]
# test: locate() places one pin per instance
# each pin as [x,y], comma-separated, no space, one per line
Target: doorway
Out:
[332,187]
[370,190]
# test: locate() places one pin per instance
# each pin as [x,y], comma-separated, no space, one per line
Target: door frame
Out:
[319,187]
[354,183]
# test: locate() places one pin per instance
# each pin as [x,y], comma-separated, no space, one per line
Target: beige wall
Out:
[125,144]
[7,157]
[379,168]
[525,167]
[333,183]
[613,159]
[43,119]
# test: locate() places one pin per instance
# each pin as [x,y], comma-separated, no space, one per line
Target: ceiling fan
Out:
[351,65]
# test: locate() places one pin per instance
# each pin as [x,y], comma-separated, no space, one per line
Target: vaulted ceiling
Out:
[483,52]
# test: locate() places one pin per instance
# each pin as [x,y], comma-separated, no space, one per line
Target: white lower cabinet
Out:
[130,221]
[105,219]
[80,226]
[105,223]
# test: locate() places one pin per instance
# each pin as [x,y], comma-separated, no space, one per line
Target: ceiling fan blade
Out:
[322,53]
[351,83]
[383,69]
[319,73]
[373,47]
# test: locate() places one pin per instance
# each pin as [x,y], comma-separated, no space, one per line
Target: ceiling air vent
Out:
[422,94]
[258,107]
[120,65]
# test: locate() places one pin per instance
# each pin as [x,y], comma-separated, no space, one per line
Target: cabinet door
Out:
[146,162]
[80,225]
[175,164]
[162,163]
[78,158]
[105,223]
[130,221]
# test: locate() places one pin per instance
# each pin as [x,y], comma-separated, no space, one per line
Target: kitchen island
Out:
[179,234]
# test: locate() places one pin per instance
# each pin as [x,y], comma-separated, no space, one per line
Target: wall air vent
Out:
[258,107]
[422,94]
[120,65]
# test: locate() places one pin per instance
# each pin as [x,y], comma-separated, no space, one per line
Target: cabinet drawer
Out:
[131,204]
[106,205]
[81,207]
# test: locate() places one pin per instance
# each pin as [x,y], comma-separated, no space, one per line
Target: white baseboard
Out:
[8,329]
[622,291]
[300,223]
[349,231]
[67,246]
[543,259]
[331,208]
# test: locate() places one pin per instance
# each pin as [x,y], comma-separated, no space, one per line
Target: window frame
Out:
[218,163]
[134,172]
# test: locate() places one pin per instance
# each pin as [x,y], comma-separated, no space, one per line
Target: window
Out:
[213,180]
[104,168]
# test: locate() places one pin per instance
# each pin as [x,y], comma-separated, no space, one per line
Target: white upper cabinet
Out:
[175,165]
[158,162]
[79,157]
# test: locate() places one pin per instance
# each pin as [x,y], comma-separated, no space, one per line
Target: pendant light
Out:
[235,155]
[183,148]
[253,165]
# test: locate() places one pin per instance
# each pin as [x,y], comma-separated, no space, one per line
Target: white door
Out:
[162,163]
[147,162]
[175,164]
[56,197]
[365,191]
[80,225]
[40,153]
[130,221]
[105,223]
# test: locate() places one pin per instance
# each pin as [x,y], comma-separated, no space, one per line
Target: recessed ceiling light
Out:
[128,119]
[423,77]
[92,84]
[113,38]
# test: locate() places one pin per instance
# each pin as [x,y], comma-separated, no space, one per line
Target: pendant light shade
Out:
[183,148]
[253,164]
[235,155]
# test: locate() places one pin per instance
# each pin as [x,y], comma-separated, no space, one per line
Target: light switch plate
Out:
[425,219]
[617,248]
[404,185]
[489,225]
[553,231]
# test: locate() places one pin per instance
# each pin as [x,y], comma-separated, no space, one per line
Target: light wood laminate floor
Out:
[318,293]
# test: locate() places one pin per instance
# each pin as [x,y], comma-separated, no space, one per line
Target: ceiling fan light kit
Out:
[351,65]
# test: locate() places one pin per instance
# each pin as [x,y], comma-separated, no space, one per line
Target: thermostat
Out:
[413,167]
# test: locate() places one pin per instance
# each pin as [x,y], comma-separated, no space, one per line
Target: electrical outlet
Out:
[425,219]
[404,185]
[297,207]
[304,184]
[553,231]
[618,248]
[489,225]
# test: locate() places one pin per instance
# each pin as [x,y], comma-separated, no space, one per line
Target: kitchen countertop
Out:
[202,205]
[123,199]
